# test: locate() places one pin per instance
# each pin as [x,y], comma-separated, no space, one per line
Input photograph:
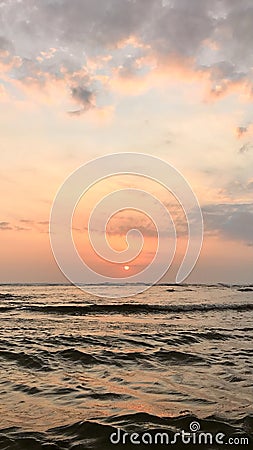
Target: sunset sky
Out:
[83,78]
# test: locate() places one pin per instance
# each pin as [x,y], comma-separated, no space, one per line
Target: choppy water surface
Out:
[75,367]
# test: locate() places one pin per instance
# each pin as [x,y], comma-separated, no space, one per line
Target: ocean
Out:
[83,372]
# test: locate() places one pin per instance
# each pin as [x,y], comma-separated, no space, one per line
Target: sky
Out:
[81,79]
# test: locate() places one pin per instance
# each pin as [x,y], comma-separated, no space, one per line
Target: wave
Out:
[127,308]
[4,309]
[94,434]
[24,359]
[6,296]
[245,289]
[77,356]
[48,360]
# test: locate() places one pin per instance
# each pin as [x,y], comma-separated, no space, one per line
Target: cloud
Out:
[5,46]
[5,226]
[122,226]
[52,40]
[230,221]
[84,97]
[250,185]
[121,223]
[8,226]
[31,225]
[240,131]
[239,188]
[245,148]
[17,228]
[243,130]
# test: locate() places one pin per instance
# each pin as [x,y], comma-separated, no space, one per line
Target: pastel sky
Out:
[83,78]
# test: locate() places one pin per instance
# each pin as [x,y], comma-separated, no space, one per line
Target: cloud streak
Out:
[26,225]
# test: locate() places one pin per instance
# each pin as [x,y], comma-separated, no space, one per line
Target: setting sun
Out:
[126,267]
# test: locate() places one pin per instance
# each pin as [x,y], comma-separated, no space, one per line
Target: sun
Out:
[126,267]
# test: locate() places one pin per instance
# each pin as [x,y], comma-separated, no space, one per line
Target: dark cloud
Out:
[232,221]
[84,97]
[5,226]
[240,131]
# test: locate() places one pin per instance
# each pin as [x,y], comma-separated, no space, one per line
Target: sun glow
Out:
[126,267]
